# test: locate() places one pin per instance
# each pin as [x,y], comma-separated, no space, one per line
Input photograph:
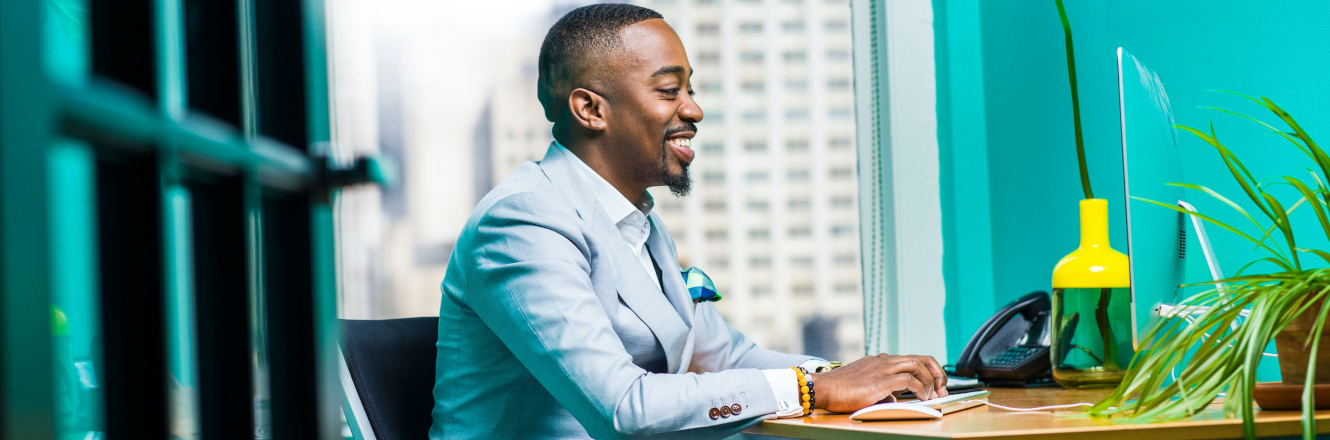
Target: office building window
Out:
[796,85]
[843,230]
[801,232]
[757,206]
[708,28]
[713,177]
[841,173]
[836,26]
[842,202]
[841,113]
[717,234]
[838,55]
[753,86]
[839,84]
[797,145]
[845,259]
[714,205]
[751,57]
[750,27]
[754,115]
[847,288]
[762,291]
[797,114]
[792,26]
[711,147]
[800,204]
[795,56]
[755,146]
[841,143]
[755,176]
[708,57]
[799,175]
[802,289]
[759,234]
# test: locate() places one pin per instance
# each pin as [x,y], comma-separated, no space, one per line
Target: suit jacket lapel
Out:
[676,292]
[632,283]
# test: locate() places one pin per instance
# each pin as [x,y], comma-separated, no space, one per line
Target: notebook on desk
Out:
[921,409]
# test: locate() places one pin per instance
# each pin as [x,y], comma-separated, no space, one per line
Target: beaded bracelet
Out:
[807,397]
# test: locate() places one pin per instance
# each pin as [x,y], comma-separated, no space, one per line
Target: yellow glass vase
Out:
[1091,323]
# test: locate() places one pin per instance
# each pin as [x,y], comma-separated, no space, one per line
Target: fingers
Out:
[939,375]
[907,382]
[915,367]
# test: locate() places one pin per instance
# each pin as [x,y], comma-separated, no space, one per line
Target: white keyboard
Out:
[940,402]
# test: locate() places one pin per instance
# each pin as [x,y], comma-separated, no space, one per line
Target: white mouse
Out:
[895,411]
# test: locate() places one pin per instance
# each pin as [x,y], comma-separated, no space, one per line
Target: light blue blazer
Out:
[550,328]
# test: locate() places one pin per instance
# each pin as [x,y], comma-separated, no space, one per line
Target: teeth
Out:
[685,143]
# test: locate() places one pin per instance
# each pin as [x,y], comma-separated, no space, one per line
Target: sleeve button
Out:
[714,413]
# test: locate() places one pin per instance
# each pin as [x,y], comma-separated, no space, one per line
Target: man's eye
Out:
[673,91]
[691,92]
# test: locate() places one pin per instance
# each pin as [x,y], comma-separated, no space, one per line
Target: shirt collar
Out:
[615,204]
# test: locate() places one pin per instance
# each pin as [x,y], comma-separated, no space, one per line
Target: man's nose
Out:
[690,111]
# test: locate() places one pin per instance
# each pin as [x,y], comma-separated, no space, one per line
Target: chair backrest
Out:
[391,363]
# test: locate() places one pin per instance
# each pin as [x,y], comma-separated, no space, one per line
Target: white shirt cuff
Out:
[785,386]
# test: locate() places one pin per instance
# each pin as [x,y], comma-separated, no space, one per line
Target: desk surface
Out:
[986,423]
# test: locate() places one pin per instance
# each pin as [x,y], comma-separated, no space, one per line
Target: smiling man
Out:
[565,314]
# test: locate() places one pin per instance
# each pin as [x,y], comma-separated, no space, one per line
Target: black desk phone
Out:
[1011,348]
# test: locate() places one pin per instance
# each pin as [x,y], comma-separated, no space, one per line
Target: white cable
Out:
[1041,408]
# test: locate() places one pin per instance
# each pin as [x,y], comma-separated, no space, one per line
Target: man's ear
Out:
[589,109]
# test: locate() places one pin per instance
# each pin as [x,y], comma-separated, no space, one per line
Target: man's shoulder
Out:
[527,195]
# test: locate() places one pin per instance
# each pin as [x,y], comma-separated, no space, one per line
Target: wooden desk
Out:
[986,423]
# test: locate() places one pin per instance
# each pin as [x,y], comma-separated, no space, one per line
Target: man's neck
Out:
[593,157]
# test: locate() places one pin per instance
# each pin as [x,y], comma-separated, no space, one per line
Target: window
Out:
[750,27]
[761,291]
[753,86]
[751,57]
[799,175]
[842,173]
[755,176]
[796,85]
[842,230]
[847,288]
[841,143]
[838,55]
[708,57]
[844,259]
[717,235]
[754,115]
[792,26]
[837,26]
[842,202]
[803,261]
[713,177]
[801,231]
[706,86]
[800,204]
[838,84]
[802,289]
[841,113]
[708,28]
[712,147]
[714,205]
[755,146]
[759,234]
[797,114]
[797,145]
[757,206]
[795,56]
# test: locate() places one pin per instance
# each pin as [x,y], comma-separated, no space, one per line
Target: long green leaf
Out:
[1222,225]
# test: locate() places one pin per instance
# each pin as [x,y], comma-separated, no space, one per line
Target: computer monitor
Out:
[1156,236]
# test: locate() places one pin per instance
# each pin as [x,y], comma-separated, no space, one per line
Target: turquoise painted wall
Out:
[1276,49]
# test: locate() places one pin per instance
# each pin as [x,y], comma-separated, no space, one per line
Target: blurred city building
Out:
[772,216]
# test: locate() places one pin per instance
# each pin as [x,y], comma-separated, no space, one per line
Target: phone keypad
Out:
[1013,356]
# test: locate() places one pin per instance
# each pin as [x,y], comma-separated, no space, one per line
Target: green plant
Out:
[1186,363]
[1075,102]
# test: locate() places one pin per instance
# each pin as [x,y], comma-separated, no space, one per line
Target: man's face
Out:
[652,115]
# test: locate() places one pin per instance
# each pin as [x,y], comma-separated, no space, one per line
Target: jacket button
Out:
[724,411]
[735,409]
[714,413]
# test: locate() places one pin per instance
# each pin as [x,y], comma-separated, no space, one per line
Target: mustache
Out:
[686,126]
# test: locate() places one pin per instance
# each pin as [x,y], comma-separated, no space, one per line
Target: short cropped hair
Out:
[575,39]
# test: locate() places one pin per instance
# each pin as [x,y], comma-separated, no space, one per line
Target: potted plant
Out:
[1219,336]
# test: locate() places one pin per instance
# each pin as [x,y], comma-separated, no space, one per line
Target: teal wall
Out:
[1276,49]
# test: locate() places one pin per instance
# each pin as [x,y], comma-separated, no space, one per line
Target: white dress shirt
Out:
[635,226]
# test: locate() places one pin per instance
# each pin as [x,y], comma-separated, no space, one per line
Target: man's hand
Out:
[873,379]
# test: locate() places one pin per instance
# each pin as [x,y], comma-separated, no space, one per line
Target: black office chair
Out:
[391,363]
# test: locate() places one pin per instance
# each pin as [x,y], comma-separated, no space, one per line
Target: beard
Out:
[680,184]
